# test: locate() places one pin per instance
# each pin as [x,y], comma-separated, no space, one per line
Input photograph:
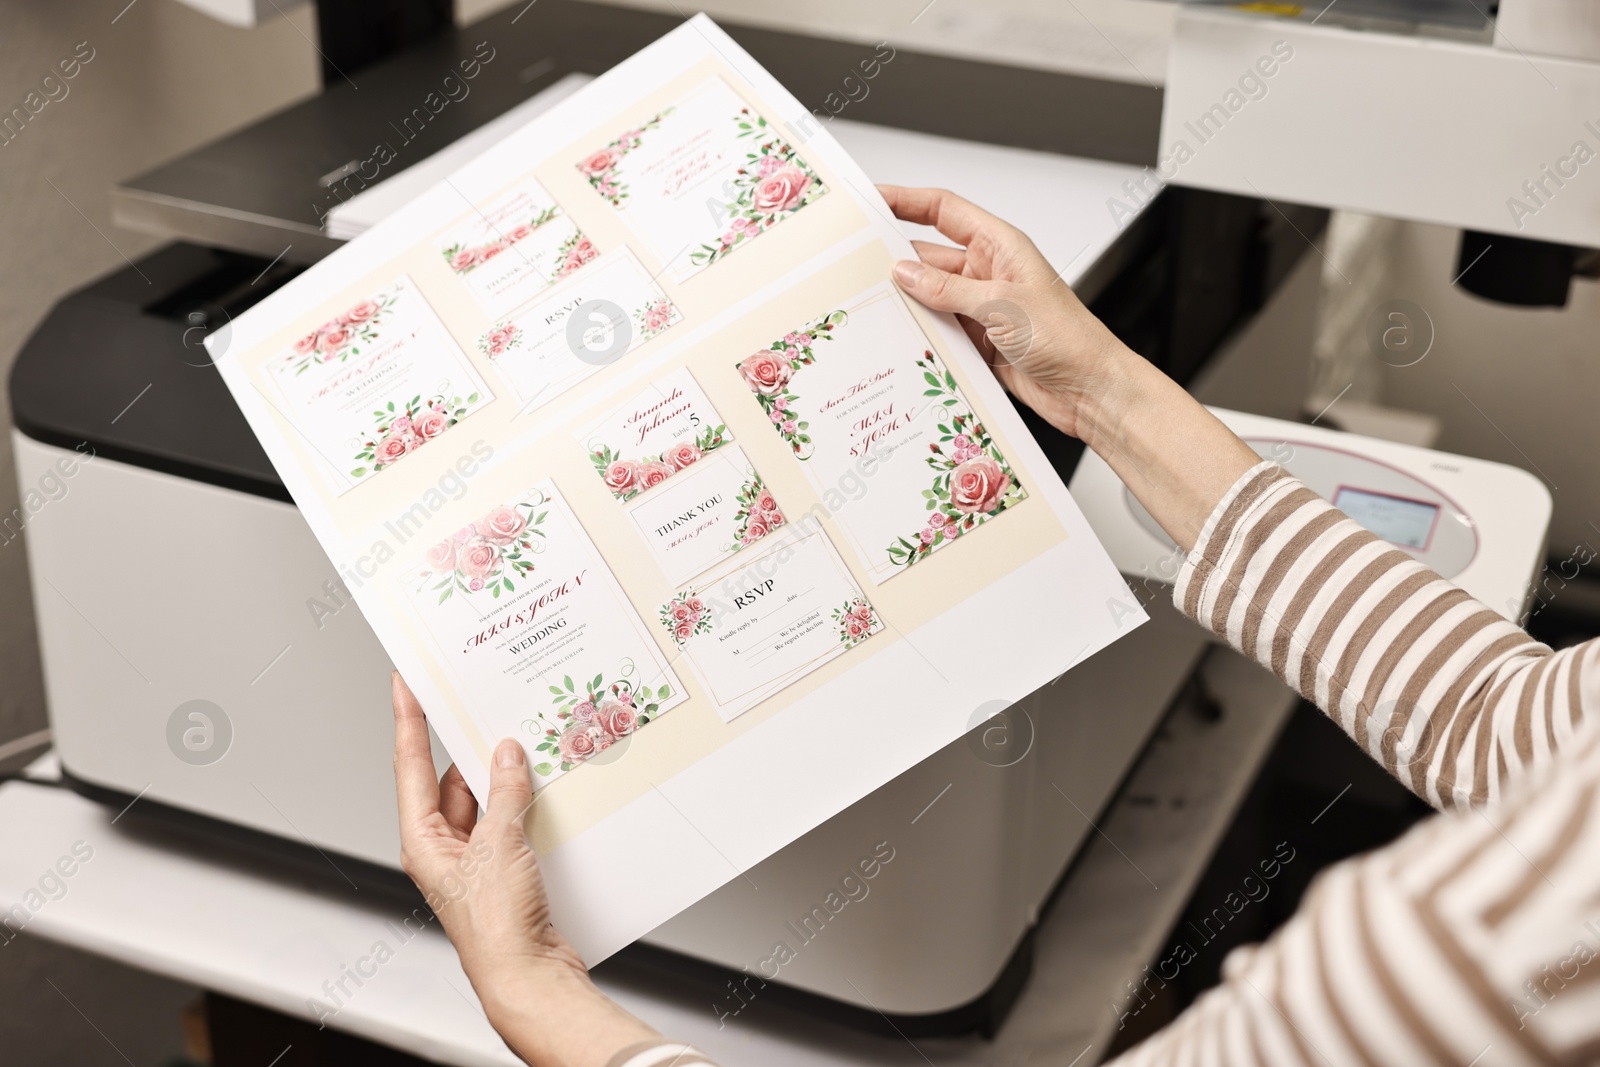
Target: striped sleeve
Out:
[1453,699]
[1472,940]
[660,1054]
[1475,938]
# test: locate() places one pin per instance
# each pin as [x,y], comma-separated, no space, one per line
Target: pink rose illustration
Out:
[361,312]
[862,610]
[627,698]
[681,455]
[656,321]
[776,417]
[619,719]
[305,344]
[584,712]
[769,164]
[600,162]
[780,404]
[683,631]
[781,190]
[790,426]
[476,585]
[765,372]
[696,605]
[466,533]
[584,251]
[333,340]
[622,476]
[774,519]
[681,611]
[804,340]
[401,424]
[766,501]
[577,742]
[392,448]
[792,352]
[937,519]
[431,425]
[755,531]
[490,251]
[928,535]
[520,232]
[462,260]
[855,627]
[479,559]
[977,485]
[653,474]
[502,526]
[442,556]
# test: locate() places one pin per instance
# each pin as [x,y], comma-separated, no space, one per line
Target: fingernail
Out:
[509,755]
[908,272]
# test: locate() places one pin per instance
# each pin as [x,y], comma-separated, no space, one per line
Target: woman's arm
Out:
[482,881]
[1056,357]
[1450,697]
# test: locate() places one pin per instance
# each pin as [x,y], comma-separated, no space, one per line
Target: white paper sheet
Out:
[654,541]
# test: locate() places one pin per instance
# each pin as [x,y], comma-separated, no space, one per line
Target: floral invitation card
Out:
[718,507]
[860,387]
[534,627]
[576,329]
[375,383]
[771,621]
[702,177]
[654,435]
[513,247]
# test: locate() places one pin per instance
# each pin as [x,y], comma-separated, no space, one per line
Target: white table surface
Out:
[156,901]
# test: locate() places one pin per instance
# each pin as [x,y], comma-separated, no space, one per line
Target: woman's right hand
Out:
[1056,357]
[1043,344]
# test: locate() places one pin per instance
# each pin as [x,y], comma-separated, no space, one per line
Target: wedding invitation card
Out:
[713,511]
[861,383]
[576,329]
[655,544]
[771,621]
[538,634]
[653,436]
[702,177]
[375,383]
[513,247]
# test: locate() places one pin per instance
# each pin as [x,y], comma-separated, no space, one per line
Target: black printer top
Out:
[119,366]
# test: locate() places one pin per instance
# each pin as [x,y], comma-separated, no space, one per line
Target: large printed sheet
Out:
[628,448]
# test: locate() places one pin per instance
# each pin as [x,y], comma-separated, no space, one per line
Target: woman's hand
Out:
[1061,361]
[1043,344]
[482,881]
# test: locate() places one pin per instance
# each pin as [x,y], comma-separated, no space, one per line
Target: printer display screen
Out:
[1395,519]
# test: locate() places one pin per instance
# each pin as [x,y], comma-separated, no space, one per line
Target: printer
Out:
[202,657]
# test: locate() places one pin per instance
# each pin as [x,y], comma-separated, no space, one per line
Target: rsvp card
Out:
[580,326]
[770,621]
[538,634]
[513,247]
[654,435]
[375,383]
[718,507]
[703,177]
[859,395]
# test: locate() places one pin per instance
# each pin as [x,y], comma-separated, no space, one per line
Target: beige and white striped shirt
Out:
[1475,938]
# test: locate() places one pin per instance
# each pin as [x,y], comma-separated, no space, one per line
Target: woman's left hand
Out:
[482,881]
